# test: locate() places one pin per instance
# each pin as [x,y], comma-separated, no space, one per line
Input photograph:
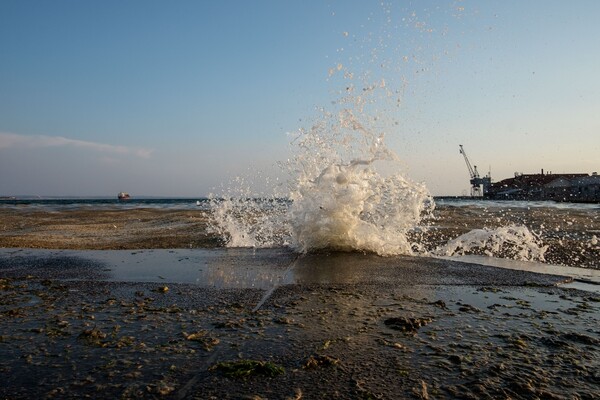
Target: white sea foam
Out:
[516,242]
[341,201]
[338,199]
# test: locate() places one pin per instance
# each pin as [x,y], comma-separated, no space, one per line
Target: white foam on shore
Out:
[514,242]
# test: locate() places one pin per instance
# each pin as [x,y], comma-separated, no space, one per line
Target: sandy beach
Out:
[234,323]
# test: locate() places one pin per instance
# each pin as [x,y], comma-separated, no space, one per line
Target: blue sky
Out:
[176,98]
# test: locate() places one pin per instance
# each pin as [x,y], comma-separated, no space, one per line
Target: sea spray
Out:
[347,190]
[242,217]
[338,196]
[514,241]
[337,199]
[352,208]
[340,201]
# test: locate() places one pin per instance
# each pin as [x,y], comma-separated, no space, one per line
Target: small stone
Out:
[456,359]
[404,324]
[441,304]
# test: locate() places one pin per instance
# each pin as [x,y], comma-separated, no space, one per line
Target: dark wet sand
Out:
[323,326]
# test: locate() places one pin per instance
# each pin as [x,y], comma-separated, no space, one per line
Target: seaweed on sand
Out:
[247,368]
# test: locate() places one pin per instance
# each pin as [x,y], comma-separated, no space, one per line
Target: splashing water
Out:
[516,242]
[348,205]
[242,218]
[338,198]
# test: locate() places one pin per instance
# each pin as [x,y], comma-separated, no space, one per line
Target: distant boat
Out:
[123,196]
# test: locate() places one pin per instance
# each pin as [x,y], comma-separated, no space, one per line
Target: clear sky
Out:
[176,98]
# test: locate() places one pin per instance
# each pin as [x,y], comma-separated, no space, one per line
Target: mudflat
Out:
[271,324]
[81,228]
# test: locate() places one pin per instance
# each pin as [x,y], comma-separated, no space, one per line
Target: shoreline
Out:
[150,228]
[333,325]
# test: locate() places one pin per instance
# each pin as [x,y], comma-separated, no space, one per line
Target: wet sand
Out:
[269,324]
[143,228]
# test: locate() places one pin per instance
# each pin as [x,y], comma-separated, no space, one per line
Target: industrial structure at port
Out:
[577,187]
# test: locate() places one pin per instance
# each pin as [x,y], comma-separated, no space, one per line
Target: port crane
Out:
[476,181]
